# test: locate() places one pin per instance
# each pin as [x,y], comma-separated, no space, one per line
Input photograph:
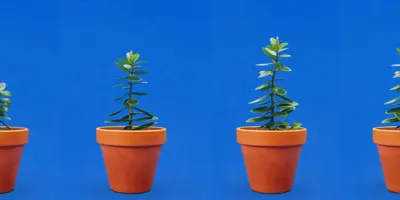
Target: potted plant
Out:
[131,152]
[388,141]
[12,141]
[271,150]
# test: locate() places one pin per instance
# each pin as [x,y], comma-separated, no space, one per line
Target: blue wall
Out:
[57,58]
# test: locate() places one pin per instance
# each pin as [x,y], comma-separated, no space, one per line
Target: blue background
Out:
[57,58]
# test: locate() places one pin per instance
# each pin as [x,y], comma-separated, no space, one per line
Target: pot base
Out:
[131,192]
[271,192]
[7,192]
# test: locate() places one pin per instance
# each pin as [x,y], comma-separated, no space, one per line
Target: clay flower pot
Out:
[130,157]
[11,147]
[271,157]
[388,142]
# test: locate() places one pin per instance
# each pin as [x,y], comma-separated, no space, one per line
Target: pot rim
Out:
[244,129]
[14,129]
[110,129]
[386,129]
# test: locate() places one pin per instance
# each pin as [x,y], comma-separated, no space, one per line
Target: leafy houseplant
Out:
[5,103]
[271,151]
[388,141]
[131,152]
[396,110]
[278,105]
[12,141]
[130,65]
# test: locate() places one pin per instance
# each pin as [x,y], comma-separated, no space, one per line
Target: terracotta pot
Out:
[271,157]
[131,157]
[388,142]
[11,147]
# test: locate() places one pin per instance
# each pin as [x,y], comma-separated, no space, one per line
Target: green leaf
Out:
[121,120]
[126,62]
[397,115]
[121,67]
[140,93]
[295,125]
[398,50]
[5,117]
[280,114]
[396,74]
[392,101]
[130,102]
[282,49]
[145,126]
[280,90]
[120,85]
[127,66]
[283,68]
[119,98]
[393,110]
[267,85]
[131,78]
[143,119]
[390,120]
[3,109]
[5,101]
[2,86]
[284,98]
[259,99]
[264,87]
[5,93]
[397,87]
[272,41]
[116,121]
[143,111]
[283,45]
[117,112]
[135,57]
[267,52]
[140,72]
[285,105]
[261,109]
[287,110]
[264,64]
[265,73]
[284,56]
[134,78]
[257,119]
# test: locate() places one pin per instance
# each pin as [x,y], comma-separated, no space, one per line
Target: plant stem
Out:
[130,98]
[273,92]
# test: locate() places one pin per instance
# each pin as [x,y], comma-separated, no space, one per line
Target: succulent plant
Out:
[395,111]
[135,116]
[5,103]
[274,104]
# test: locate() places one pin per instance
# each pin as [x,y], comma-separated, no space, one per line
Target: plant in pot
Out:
[131,151]
[387,139]
[271,150]
[12,141]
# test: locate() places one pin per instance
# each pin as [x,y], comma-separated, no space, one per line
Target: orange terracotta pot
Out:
[388,142]
[271,157]
[130,157]
[11,147]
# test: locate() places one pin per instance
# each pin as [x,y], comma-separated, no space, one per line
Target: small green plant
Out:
[131,66]
[5,103]
[274,104]
[396,110]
